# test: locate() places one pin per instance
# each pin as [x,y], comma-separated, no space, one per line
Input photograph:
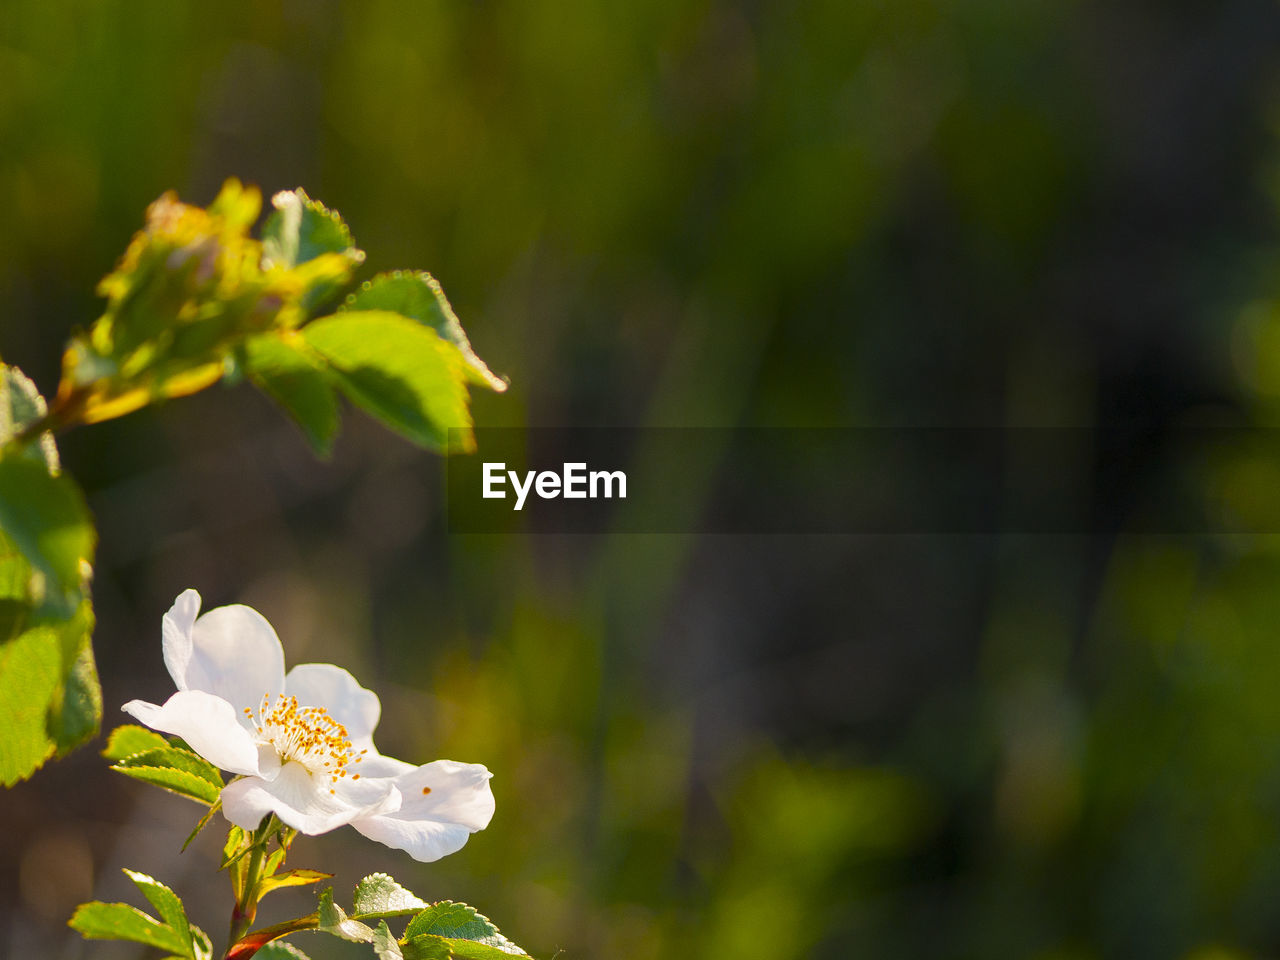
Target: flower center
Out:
[307,735]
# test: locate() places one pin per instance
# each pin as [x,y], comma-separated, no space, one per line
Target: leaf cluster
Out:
[196,298]
[170,932]
[163,762]
[253,860]
[446,930]
[436,931]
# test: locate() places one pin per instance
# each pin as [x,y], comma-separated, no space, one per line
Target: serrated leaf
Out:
[420,297]
[428,946]
[333,920]
[384,943]
[301,229]
[280,950]
[75,710]
[459,921]
[175,758]
[175,770]
[49,696]
[181,782]
[291,878]
[312,242]
[119,921]
[378,895]
[168,905]
[21,405]
[398,371]
[282,366]
[46,518]
[473,950]
[129,739]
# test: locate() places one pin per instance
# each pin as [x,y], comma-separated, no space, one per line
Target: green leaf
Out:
[18,588]
[75,710]
[176,770]
[128,739]
[46,517]
[15,573]
[20,405]
[274,860]
[426,947]
[418,295]
[49,697]
[430,947]
[398,371]
[119,921]
[292,878]
[282,366]
[167,905]
[378,895]
[459,921]
[181,782]
[472,950]
[202,946]
[30,670]
[309,239]
[279,950]
[384,943]
[238,843]
[236,846]
[13,617]
[302,229]
[176,758]
[333,920]
[201,824]
[451,919]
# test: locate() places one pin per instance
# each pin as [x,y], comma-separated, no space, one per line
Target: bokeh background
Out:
[706,213]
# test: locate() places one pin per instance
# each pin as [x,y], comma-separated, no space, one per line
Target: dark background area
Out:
[712,214]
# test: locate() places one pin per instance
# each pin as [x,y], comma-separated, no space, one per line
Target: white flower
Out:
[302,743]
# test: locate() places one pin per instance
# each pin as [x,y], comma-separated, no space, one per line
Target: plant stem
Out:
[251,943]
[64,412]
[246,907]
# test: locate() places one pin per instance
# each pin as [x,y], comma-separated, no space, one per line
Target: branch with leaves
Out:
[194,300]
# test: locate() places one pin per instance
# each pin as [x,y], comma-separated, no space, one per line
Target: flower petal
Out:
[374,764]
[209,725]
[230,652]
[176,635]
[324,685]
[306,801]
[443,803]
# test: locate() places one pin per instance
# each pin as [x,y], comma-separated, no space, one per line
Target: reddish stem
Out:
[251,943]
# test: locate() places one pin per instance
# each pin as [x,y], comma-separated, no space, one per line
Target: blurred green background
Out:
[841,213]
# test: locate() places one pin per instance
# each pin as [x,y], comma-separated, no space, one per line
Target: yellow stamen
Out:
[306,735]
